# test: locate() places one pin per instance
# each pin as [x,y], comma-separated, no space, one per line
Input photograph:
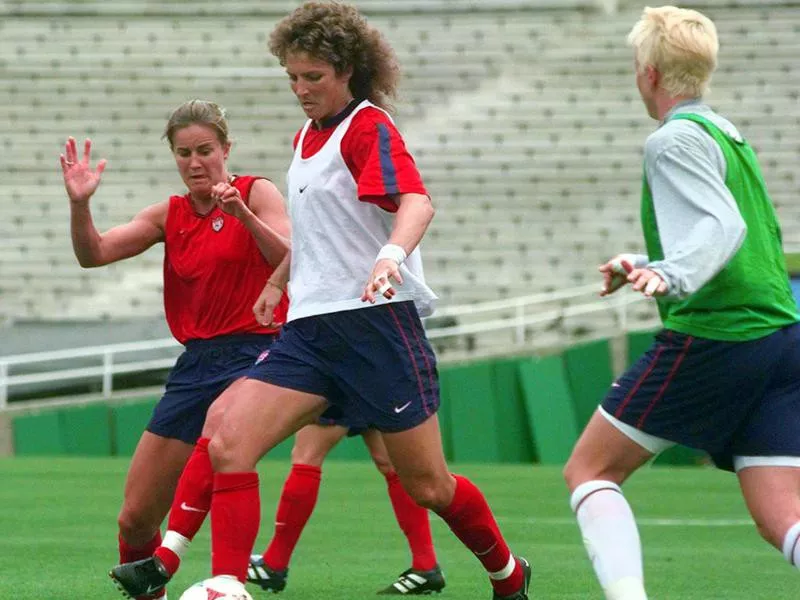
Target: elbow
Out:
[87,264]
[430,211]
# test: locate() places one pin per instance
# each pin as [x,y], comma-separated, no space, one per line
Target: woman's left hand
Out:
[379,282]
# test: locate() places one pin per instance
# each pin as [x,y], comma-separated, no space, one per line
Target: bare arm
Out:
[270,297]
[265,218]
[92,248]
[414,214]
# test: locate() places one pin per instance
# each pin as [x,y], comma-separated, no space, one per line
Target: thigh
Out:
[693,391]
[259,417]
[607,450]
[772,495]
[313,442]
[383,366]
[153,476]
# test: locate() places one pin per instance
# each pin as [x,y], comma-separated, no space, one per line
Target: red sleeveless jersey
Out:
[213,272]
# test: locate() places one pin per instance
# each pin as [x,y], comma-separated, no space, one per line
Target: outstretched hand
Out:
[80,179]
[615,274]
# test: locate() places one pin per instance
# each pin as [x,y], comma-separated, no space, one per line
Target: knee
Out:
[135,525]
[577,471]
[772,530]
[433,493]
[306,454]
[222,451]
[573,473]
[382,462]
[213,419]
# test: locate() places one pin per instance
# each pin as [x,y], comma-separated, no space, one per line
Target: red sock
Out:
[235,518]
[413,520]
[191,503]
[129,553]
[470,518]
[298,498]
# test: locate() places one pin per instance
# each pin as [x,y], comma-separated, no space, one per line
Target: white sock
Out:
[176,542]
[791,545]
[611,539]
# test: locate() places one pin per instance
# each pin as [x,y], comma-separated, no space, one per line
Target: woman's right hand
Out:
[79,178]
[264,308]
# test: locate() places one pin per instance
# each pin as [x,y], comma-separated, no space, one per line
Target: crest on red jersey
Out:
[217,223]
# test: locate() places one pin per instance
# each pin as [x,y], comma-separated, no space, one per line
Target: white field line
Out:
[644,522]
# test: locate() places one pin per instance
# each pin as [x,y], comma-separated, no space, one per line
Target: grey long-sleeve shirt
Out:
[699,223]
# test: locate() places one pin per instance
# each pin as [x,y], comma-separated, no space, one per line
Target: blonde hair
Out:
[339,35]
[199,112]
[681,44]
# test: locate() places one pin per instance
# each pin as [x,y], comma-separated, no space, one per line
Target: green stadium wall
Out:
[520,410]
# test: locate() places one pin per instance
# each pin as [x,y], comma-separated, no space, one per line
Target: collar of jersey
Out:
[338,118]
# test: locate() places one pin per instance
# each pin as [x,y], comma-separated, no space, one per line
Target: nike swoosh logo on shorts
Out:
[399,409]
[185,506]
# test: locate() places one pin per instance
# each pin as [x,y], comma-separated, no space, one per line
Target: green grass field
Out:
[58,532]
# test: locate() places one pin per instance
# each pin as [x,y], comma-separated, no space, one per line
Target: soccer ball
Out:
[217,588]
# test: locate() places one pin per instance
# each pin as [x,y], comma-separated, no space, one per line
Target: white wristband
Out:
[392,252]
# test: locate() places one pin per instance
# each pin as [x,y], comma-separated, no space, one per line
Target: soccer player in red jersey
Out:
[222,239]
[359,210]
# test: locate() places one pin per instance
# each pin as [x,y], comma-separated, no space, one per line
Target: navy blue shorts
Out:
[200,374]
[334,415]
[726,398]
[374,365]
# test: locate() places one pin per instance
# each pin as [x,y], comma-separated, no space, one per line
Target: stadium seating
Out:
[523,117]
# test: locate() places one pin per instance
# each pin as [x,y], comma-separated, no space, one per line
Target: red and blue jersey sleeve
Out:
[379,161]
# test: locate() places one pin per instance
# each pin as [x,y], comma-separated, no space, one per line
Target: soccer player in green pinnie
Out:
[723,374]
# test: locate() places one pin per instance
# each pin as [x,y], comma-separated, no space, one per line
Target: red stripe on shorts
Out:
[421,347]
[665,385]
[410,352]
[640,381]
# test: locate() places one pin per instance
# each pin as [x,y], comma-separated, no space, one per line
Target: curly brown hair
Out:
[338,34]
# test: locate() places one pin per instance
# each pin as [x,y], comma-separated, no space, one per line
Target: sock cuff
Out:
[307,470]
[202,444]
[224,482]
[584,490]
[790,542]
[506,571]
[176,542]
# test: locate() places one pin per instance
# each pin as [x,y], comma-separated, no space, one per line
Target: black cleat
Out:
[522,594]
[416,583]
[262,575]
[140,578]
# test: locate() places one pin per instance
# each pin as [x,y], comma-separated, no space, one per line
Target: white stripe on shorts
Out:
[651,443]
[742,462]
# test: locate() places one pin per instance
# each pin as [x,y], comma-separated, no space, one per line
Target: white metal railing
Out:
[496,315]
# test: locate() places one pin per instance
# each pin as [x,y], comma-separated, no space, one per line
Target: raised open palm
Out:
[79,178]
